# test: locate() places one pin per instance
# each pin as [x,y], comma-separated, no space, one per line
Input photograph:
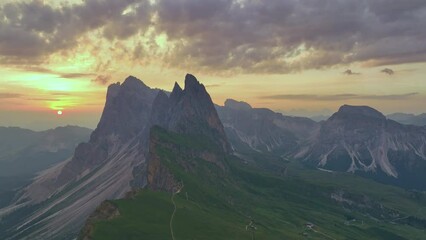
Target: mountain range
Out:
[262,129]
[407,118]
[221,166]
[356,139]
[24,153]
[362,140]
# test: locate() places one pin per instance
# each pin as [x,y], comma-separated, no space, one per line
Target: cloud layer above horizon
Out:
[225,36]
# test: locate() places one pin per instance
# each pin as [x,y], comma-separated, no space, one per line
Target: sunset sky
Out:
[300,57]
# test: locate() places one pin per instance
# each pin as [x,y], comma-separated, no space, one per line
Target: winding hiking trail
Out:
[174,211]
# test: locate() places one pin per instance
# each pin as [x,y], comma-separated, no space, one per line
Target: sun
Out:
[59,112]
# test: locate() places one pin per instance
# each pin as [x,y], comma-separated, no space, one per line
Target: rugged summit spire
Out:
[189,111]
[176,92]
[126,110]
[190,114]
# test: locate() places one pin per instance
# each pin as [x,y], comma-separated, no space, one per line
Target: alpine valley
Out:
[173,165]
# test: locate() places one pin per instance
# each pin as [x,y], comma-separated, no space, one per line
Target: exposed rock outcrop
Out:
[189,111]
[360,139]
[263,130]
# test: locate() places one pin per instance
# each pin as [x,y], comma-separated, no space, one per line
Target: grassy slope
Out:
[220,205]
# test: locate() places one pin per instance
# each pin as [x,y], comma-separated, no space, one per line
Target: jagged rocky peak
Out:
[358,112]
[126,110]
[177,88]
[193,88]
[125,116]
[176,92]
[237,105]
[130,84]
[191,83]
[134,84]
[188,111]
[113,90]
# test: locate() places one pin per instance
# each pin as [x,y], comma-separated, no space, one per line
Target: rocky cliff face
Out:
[262,129]
[125,117]
[360,139]
[189,112]
[100,169]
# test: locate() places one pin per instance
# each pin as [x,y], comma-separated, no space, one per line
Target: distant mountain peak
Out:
[237,105]
[409,118]
[360,139]
[358,111]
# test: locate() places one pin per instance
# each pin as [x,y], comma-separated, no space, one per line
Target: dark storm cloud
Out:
[336,97]
[229,35]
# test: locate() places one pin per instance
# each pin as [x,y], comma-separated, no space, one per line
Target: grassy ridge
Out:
[218,205]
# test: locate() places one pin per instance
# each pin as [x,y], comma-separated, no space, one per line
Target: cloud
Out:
[349,72]
[35,68]
[102,79]
[40,69]
[60,94]
[44,99]
[388,71]
[223,35]
[285,36]
[34,29]
[76,75]
[336,97]
[9,95]
[213,85]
